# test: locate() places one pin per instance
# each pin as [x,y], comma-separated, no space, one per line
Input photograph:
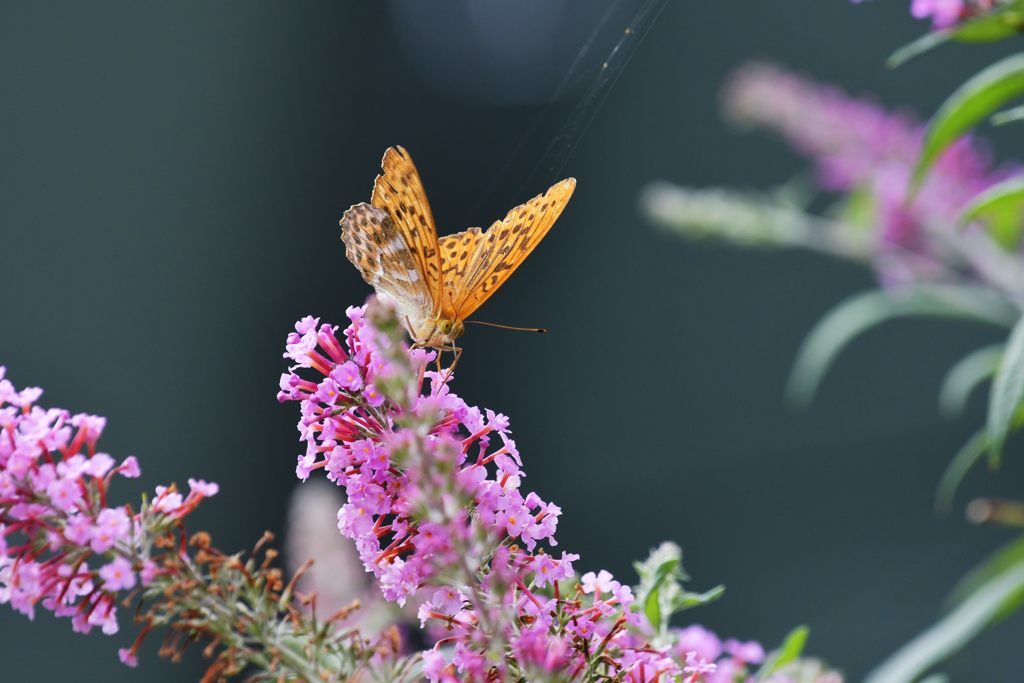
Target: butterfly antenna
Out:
[542,330]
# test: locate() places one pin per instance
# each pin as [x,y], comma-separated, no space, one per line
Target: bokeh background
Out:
[171,177]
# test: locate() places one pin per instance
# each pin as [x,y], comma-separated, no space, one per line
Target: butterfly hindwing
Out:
[399,191]
[378,249]
[500,250]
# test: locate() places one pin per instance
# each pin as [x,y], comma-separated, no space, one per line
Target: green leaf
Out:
[687,600]
[790,650]
[918,46]
[1007,393]
[1007,557]
[652,605]
[861,312]
[1002,206]
[966,458]
[1002,23]
[858,208]
[648,569]
[660,592]
[973,101]
[947,636]
[1011,115]
[965,376]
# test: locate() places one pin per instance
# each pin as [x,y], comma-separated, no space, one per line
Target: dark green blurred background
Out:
[171,178]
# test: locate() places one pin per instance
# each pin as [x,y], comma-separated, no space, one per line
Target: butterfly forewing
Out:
[499,251]
[399,191]
[456,254]
[379,250]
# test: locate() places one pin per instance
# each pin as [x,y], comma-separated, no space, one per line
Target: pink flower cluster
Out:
[61,546]
[436,511]
[862,150]
[349,433]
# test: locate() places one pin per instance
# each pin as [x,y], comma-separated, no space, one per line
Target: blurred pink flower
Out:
[942,12]
[945,13]
[867,153]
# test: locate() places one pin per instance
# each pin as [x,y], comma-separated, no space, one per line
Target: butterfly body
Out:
[435,284]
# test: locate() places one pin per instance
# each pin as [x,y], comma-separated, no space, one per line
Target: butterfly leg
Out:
[408,329]
[438,352]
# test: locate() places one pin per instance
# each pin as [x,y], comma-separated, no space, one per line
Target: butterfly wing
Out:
[499,251]
[378,249]
[399,191]
[456,255]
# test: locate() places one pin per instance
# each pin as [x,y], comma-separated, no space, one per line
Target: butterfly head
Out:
[438,332]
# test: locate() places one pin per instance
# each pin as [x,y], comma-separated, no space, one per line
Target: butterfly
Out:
[435,284]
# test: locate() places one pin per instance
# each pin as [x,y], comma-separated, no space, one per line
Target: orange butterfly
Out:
[436,284]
